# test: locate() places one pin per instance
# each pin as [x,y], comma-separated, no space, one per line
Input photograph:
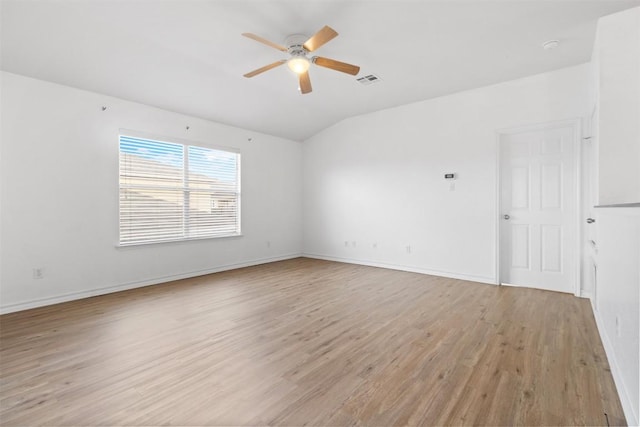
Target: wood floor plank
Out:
[308,342]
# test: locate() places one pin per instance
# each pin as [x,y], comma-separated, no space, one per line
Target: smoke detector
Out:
[550,44]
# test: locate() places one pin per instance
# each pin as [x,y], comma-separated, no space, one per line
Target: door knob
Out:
[506,216]
[590,220]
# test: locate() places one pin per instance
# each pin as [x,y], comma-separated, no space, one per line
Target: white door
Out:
[589,283]
[538,202]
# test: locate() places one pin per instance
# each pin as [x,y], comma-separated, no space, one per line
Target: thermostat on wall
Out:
[449,176]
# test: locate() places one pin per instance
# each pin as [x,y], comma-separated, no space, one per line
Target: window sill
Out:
[174,241]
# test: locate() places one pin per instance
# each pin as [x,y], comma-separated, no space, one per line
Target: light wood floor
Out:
[308,342]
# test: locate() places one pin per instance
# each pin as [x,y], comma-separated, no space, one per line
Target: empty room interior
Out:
[319,212]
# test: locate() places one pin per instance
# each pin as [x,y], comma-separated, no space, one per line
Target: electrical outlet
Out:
[38,273]
[618,327]
[268,243]
[375,245]
[346,244]
[408,249]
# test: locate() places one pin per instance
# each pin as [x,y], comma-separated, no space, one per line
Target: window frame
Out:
[184,189]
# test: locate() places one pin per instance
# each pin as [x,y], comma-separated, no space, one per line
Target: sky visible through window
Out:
[216,164]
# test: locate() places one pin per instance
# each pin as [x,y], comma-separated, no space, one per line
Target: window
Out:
[171,191]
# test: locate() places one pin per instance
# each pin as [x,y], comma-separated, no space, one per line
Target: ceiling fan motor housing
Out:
[295,44]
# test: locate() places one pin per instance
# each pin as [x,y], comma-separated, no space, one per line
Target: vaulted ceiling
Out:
[189,56]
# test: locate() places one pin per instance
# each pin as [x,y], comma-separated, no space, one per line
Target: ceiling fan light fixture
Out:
[298,64]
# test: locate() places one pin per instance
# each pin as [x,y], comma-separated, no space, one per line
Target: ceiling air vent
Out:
[369,79]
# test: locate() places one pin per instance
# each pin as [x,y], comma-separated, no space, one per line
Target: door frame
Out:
[576,125]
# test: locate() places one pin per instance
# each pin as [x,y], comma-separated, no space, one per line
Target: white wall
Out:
[59,176]
[378,178]
[616,89]
[617,62]
[618,299]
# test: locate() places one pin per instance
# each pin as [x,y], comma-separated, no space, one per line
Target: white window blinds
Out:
[171,191]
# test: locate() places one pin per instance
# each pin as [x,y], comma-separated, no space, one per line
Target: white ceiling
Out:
[189,57]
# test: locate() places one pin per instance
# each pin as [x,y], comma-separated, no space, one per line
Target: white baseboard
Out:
[41,302]
[586,294]
[412,269]
[616,372]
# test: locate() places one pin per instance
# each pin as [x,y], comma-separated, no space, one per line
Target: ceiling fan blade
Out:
[321,37]
[336,65]
[265,68]
[265,41]
[305,83]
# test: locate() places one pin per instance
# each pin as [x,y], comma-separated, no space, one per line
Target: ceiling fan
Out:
[298,47]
